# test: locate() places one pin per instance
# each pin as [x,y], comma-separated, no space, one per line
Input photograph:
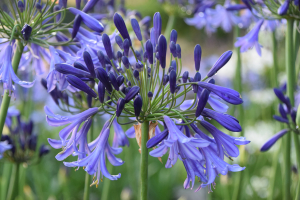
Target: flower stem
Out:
[86,194]
[290,71]
[14,181]
[6,99]
[144,160]
[169,27]
[275,62]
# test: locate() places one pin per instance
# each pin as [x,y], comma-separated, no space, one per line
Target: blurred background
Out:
[51,180]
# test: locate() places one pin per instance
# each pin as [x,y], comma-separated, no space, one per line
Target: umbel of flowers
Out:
[146,90]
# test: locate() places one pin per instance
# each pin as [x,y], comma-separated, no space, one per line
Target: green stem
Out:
[297,150]
[144,160]
[290,71]
[275,61]
[169,27]
[6,99]
[274,173]
[13,184]
[86,194]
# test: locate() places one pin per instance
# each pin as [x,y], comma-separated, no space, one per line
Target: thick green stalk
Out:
[275,61]
[86,194]
[144,161]
[290,71]
[13,184]
[169,27]
[5,177]
[6,99]
[297,150]
[274,173]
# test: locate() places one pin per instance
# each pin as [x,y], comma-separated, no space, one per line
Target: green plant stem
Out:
[274,173]
[6,99]
[144,161]
[86,194]
[275,61]
[297,150]
[14,181]
[290,71]
[169,27]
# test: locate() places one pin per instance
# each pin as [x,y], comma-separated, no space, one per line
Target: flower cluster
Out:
[19,145]
[144,90]
[287,116]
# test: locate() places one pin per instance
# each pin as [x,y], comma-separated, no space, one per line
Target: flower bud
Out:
[197,78]
[149,71]
[137,105]
[173,36]
[119,56]
[32,142]
[177,88]
[79,84]
[202,102]
[44,150]
[150,95]
[139,66]
[120,106]
[172,81]
[138,55]
[149,50]
[120,80]
[65,68]
[89,100]
[119,41]
[120,25]
[76,25]
[197,57]
[157,22]
[80,66]
[136,74]
[162,50]
[26,32]
[145,57]
[103,77]
[101,58]
[126,46]
[125,62]
[185,76]
[283,9]
[107,46]
[132,93]
[38,6]
[89,63]
[212,81]
[173,66]
[165,79]
[173,49]
[101,92]
[281,97]
[63,3]
[113,80]
[89,5]
[128,83]
[136,28]
[152,37]
[55,9]
[78,2]
[178,50]
[21,6]
[225,57]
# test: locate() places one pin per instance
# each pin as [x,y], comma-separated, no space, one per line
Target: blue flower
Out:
[250,39]
[120,138]
[7,74]
[4,146]
[203,19]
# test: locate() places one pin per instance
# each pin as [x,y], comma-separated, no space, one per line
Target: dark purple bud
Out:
[166,79]
[152,37]
[173,36]
[89,5]
[273,140]
[101,74]
[80,66]
[197,78]
[145,57]
[197,57]
[149,50]
[43,150]
[294,114]
[119,41]
[282,10]
[78,2]
[185,76]
[172,81]
[89,63]
[120,80]
[280,119]
[136,28]
[139,66]
[225,57]
[173,66]
[202,102]
[128,83]
[125,62]
[65,68]
[282,111]
[120,106]
[157,22]
[26,32]
[149,70]
[247,3]
[120,25]
[101,58]
[212,81]
[76,25]
[137,105]
[119,56]
[38,6]
[79,84]
[57,8]
[126,46]
[136,74]
[282,98]
[107,46]
[177,88]
[162,50]
[157,139]
[157,56]
[132,93]
[32,142]
[150,95]
[173,49]
[127,90]
[89,100]
[63,3]
[101,92]
[123,89]
[236,7]
[113,81]
[21,6]
[178,50]
[138,55]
